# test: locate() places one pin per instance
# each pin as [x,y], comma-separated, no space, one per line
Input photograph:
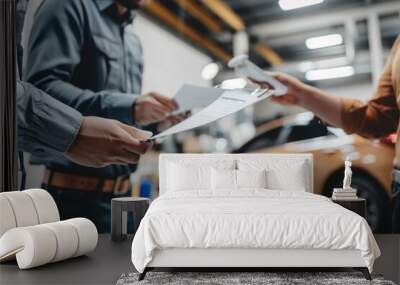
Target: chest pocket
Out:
[109,61]
[134,60]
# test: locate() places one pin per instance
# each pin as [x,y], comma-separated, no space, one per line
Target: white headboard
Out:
[211,159]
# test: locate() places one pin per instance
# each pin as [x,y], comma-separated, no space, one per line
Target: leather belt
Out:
[119,186]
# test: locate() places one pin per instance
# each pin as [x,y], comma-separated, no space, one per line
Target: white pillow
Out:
[295,180]
[226,179]
[193,174]
[182,177]
[251,178]
[282,174]
[223,179]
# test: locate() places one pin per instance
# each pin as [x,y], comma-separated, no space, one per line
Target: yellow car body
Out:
[371,159]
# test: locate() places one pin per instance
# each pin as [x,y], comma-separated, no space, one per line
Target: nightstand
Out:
[119,215]
[356,205]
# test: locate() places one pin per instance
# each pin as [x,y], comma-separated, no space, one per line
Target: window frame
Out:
[8,120]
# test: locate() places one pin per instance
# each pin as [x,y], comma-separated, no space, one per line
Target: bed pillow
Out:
[223,179]
[182,177]
[282,174]
[251,178]
[226,179]
[293,180]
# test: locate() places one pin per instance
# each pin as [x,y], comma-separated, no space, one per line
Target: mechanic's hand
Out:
[172,120]
[296,89]
[153,107]
[101,142]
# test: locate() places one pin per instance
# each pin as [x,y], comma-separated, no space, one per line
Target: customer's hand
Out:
[153,107]
[296,89]
[101,142]
[322,104]
[172,120]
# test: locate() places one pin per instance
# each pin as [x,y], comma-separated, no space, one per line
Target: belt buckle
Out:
[124,190]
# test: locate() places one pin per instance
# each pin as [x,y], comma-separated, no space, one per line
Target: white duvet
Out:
[250,219]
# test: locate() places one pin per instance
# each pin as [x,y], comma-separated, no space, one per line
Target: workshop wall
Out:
[162,52]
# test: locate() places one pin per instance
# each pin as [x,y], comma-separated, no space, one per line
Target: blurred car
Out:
[371,159]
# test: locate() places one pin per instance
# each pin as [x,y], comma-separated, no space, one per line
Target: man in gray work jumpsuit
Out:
[81,53]
[48,127]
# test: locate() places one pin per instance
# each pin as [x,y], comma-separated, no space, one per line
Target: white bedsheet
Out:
[250,218]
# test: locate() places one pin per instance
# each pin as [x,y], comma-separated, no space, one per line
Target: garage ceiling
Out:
[283,33]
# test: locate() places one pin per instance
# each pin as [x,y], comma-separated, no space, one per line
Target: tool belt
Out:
[117,186]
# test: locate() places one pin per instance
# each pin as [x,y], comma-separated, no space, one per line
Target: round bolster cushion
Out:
[7,219]
[23,209]
[41,244]
[87,235]
[26,208]
[45,205]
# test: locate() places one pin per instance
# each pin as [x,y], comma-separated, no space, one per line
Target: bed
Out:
[246,211]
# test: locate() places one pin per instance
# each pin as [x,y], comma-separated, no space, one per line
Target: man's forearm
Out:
[106,104]
[45,125]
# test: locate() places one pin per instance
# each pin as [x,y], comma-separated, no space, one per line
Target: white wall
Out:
[169,62]
[34,173]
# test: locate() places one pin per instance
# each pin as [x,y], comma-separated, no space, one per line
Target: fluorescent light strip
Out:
[329,73]
[236,83]
[296,4]
[305,66]
[324,41]
[209,71]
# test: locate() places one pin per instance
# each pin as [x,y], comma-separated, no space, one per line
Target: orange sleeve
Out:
[379,116]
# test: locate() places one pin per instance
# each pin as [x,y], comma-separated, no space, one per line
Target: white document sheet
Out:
[229,102]
[191,97]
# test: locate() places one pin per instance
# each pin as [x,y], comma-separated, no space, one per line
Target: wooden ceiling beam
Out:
[268,54]
[156,9]
[198,12]
[222,10]
[230,17]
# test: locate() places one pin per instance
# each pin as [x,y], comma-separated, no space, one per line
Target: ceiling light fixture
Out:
[296,4]
[324,41]
[305,66]
[329,73]
[236,83]
[209,71]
